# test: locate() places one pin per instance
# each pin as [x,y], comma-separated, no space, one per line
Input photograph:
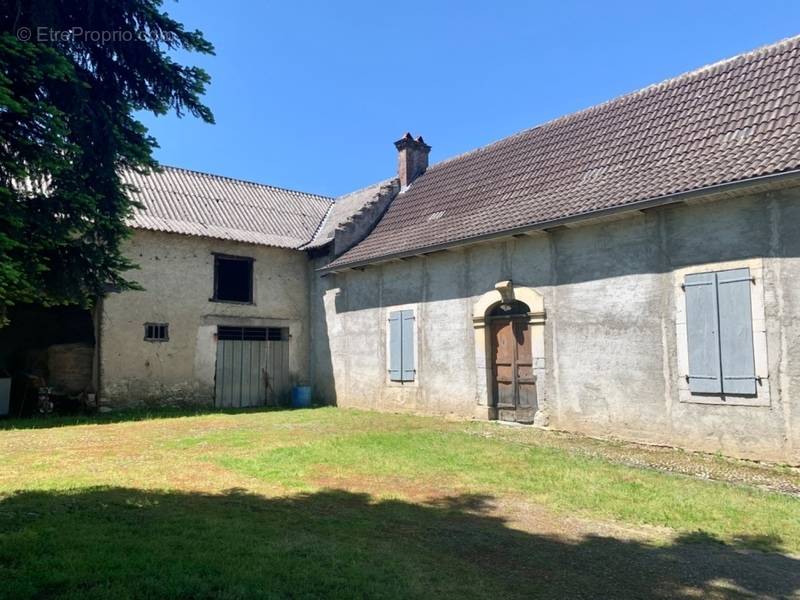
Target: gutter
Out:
[674,198]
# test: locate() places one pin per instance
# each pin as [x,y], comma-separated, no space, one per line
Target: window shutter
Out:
[408,346]
[702,327]
[395,345]
[736,332]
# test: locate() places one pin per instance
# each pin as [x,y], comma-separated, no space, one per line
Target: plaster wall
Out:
[612,296]
[177,273]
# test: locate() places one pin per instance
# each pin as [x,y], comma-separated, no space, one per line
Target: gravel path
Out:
[777,478]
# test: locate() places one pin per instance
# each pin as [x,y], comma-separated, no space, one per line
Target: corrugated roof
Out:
[344,207]
[191,203]
[731,121]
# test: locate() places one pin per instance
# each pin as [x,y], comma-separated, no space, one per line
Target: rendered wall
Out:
[177,273]
[611,295]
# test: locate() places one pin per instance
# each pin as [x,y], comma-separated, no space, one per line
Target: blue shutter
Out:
[736,332]
[408,346]
[702,328]
[395,345]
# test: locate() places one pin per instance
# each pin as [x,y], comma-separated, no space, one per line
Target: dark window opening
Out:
[156,332]
[233,279]
[255,334]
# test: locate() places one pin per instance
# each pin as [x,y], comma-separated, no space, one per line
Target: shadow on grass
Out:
[115,543]
[122,416]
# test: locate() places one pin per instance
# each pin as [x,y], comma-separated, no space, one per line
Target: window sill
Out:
[402,384]
[761,398]
[240,303]
[725,400]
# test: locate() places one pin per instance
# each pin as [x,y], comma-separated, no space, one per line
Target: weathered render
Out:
[188,220]
[611,293]
[177,274]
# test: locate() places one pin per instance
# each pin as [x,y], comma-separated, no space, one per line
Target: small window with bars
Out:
[156,332]
[253,334]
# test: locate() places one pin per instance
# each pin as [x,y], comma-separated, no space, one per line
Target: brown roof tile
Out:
[734,120]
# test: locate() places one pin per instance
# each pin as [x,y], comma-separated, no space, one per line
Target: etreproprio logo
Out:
[99,36]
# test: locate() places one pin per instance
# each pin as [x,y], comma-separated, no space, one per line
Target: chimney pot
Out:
[412,157]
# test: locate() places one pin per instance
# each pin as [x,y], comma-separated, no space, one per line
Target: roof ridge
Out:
[763,49]
[247,182]
[366,187]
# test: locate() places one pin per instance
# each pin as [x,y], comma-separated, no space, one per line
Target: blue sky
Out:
[311,95]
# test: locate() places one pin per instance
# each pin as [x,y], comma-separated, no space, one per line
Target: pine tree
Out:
[73,75]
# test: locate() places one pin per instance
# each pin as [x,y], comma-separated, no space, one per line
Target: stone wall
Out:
[177,273]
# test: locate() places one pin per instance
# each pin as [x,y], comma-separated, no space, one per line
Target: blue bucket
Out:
[301,396]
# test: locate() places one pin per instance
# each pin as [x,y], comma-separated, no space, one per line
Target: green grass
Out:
[344,504]
[552,477]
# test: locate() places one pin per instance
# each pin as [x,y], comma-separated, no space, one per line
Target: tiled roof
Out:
[344,208]
[180,201]
[730,121]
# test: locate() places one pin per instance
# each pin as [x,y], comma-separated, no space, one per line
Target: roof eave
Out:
[774,179]
[298,246]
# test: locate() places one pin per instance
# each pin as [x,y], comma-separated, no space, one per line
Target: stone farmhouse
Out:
[630,270]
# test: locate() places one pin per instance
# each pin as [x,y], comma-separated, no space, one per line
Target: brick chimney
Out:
[412,158]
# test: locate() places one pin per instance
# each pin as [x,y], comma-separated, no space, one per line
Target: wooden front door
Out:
[514,384]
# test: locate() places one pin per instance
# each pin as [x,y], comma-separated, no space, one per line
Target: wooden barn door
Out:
[252,367]
[514,385]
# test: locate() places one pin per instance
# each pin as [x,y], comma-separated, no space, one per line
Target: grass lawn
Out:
[350,504]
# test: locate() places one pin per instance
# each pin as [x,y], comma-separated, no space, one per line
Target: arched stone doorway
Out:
[509,352]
